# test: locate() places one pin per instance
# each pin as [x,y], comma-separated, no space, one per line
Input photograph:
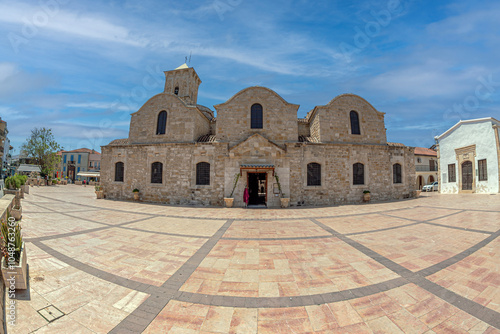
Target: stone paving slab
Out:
[426,265]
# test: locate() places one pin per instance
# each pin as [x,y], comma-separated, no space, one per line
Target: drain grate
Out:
[50,313]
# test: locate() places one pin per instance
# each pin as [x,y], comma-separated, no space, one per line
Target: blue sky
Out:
[81,67]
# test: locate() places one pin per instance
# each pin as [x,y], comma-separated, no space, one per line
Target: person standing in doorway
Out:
[246,196]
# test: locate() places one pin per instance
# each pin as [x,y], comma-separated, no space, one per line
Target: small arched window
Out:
[313,174]
[176,91]
[256,117]
[396,173]
[161,125]
[203,174]
[355,130]
[358,173]
[157,172]
[119,171]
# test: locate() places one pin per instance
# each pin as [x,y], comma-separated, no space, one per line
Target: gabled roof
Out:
[469,121]
[183,66]
[256,137]
[425,151]
[81,150]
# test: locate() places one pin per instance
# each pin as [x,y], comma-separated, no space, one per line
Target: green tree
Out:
[43,148]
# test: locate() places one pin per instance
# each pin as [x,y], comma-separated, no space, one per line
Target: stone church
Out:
[178,152]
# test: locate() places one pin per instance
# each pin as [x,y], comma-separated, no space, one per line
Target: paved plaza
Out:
[426,265]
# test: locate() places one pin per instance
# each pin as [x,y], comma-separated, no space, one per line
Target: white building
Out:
[469,157]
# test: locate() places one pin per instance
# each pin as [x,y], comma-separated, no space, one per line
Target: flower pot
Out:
[285,202]
[366,197]
[229,202]
[26,189]
[99,194]
[136,196]
[15,275]
[79,183]
[16,212]
[417,194]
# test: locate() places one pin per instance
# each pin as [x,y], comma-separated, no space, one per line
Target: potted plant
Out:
[13,186]
[230,200]
[366,196]
[99,192]
[136,194]
[13,263]
[284,201]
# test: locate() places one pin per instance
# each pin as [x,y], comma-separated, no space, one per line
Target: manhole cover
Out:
[50,313]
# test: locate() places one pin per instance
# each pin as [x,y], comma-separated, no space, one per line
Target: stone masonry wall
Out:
[279,117]
[184,123]
[335,125]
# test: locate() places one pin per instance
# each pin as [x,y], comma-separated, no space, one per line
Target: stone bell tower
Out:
[184,82]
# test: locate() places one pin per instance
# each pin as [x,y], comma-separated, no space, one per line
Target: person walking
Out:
[246,196]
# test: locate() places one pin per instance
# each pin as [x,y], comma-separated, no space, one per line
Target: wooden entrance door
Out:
[467,175]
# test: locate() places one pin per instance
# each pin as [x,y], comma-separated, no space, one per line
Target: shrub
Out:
[135,190]
[13,182]
[54,181]
[11,235]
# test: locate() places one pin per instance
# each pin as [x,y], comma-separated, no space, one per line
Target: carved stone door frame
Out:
[463,154]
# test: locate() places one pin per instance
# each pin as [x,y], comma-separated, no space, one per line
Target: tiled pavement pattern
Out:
[427,265]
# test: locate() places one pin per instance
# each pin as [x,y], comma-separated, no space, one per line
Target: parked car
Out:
[431,187]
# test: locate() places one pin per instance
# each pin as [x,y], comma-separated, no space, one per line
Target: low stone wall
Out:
[6,203]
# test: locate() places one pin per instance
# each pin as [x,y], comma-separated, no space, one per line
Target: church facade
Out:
[177,152]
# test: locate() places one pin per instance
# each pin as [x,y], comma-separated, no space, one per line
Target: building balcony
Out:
[426,168]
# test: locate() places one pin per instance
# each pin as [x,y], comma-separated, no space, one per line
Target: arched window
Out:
[176,91]
[358,173]
[313,174]
[256,117]
[355,130]
[162,123]
[119,171]
[396,173]
[157,172]
[203,174]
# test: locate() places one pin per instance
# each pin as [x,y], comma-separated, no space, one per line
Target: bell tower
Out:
[184,82]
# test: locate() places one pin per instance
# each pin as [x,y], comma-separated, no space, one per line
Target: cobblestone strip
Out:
[479,311]
[141,317]
[280,239]
[458,257]
[459,228]
[125,282]
[382,229]
[71,234]
[291,301]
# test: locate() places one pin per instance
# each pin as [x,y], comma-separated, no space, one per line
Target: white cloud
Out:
[35,18]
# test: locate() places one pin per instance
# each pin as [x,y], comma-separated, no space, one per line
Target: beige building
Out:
[177,152]
[426,166]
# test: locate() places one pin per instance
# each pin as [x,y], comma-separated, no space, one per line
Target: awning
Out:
[29,168]
[256,167]
[89,174]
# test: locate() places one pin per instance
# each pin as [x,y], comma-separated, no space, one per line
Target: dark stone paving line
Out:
[292,301]
[458,257]
[280,239]
[124,282]
[474,210]
[71,234]
[142,316]
[459,228]
[483,313]
[382,229]
[164,233]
